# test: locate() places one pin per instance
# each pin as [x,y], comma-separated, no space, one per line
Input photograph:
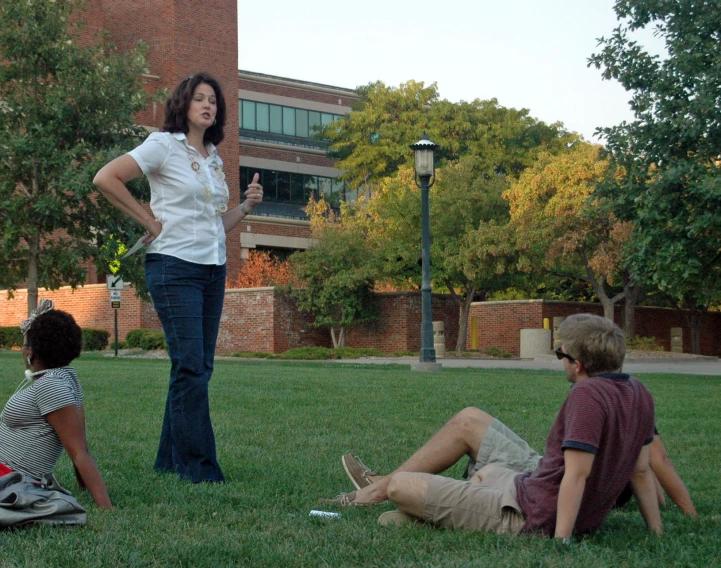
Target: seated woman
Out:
[46,413]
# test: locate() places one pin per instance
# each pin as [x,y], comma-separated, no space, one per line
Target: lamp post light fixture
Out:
[426,171]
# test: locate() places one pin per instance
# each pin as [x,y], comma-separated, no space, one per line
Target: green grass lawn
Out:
[281,429]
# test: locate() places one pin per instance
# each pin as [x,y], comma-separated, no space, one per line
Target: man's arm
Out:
[669,479]
[644,490]
[577,469]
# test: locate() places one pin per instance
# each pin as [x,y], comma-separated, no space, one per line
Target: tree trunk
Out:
[34,250]
[599,286]
[340,341]
[33,262]
[693,318]
[464,305]
[463,323]
[631,293]
[696,332]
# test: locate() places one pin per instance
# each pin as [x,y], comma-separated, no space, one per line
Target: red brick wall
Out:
[254,319]
[499,324]
[260,320]
[90,306]
[302,231]
[287,156]
[399,326]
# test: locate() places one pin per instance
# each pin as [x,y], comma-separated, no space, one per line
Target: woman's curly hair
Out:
[176,108]
[55,339]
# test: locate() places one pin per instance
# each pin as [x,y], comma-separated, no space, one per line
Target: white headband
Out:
[43,307]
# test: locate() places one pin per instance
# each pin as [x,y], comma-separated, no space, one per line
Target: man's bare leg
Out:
[408,491]
[461,435]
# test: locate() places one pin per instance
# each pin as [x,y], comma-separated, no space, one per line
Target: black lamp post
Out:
[425,170]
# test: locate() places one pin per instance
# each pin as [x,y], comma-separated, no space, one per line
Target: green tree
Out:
[669,154]
[66,106]
[372,142]
[336,275]
[561,226]
[483,146]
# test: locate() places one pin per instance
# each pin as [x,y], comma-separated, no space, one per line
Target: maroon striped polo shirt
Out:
[610,416]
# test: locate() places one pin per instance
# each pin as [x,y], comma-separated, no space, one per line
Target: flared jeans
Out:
[188,298]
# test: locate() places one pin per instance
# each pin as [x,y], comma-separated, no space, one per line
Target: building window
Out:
[294,188]
[262,121]
[301,123]
[276,119]
[247,111]
[288,121]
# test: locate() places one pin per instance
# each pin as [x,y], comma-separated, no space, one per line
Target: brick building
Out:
[276,118]
[269,129]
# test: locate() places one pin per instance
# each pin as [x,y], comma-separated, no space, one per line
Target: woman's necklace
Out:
[202,178]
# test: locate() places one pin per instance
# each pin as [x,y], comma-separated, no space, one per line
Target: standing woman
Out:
[185,262]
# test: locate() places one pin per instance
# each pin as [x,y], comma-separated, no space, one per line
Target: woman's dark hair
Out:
[55,338]
[176,108]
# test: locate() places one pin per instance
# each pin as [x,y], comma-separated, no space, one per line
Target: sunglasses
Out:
[560,355]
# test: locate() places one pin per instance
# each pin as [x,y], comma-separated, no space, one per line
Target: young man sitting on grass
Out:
[598,444]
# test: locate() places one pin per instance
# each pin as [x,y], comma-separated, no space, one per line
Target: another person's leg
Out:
[466,434]
[187,444]
[489,505]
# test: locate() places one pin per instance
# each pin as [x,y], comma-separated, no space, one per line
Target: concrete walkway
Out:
[682,365]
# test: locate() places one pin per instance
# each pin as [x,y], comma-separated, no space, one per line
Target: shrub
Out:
[132,339]
[10,336]
[325,353]
[496,352]
[152,340]
[405,354]
[147,339]
[309,353]
[356,352]
[95,339]
[643,344]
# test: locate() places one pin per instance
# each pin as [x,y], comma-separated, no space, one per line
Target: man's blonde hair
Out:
[595,341]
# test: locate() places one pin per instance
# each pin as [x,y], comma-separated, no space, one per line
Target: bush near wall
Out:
[10,336]
[148,339]
[95,339]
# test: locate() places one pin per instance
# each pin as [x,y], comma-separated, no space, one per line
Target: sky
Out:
[526,53]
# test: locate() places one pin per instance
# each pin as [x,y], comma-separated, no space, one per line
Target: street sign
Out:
[114,282]
[115,297]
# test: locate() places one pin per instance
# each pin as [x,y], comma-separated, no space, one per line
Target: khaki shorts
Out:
[502,446]
[487,506]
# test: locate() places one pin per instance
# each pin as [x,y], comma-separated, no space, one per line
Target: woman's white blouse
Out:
[188,196]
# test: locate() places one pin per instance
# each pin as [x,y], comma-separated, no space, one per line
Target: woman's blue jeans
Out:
[188,298]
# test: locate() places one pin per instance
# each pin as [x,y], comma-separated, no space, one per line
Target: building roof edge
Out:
[297,83]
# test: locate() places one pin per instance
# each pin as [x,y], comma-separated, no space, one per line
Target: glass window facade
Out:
[288,187]
[288,121]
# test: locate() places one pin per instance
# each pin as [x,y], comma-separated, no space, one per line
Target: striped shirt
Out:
[28,443]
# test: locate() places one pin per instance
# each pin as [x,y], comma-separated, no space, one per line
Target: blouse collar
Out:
[210,148]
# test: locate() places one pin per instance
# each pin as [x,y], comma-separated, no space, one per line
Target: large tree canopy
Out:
[372,141]
[66,107]
[483,146]
[670,154]
[560,225]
